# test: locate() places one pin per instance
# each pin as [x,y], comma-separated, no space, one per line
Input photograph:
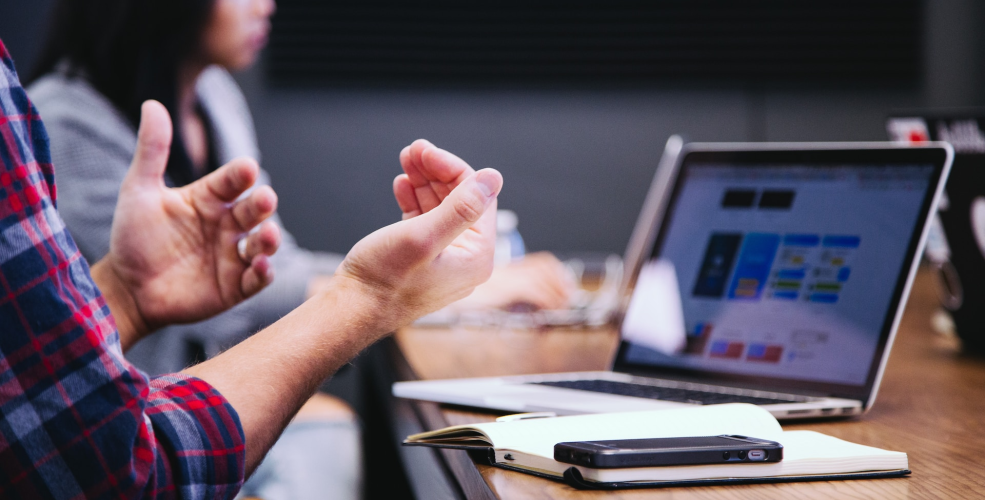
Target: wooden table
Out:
[931,406]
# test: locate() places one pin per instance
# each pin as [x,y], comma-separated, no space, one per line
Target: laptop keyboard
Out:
[662,393]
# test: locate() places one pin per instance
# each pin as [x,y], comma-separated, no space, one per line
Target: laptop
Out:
[774,274]
[956,241]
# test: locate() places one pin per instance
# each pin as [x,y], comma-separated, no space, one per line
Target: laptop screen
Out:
[782,269]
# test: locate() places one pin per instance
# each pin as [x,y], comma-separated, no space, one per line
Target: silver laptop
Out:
[772,274]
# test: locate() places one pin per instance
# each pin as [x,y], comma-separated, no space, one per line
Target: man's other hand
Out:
[174,255]
[441,250]
[539,280]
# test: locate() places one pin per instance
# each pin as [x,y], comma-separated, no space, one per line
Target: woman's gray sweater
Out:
[92,144]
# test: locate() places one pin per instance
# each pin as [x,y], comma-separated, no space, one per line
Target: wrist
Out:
[129,322]
[317,284]
[373,310]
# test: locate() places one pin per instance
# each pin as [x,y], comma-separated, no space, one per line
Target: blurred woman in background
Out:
[102,59]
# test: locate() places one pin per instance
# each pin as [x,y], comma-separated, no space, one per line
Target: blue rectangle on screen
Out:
[720,347]
[801,240]
[785,295]
[842,241]
[844,273]
[756,351]
[825,298]
[791,274]
[717,264]
[753,267]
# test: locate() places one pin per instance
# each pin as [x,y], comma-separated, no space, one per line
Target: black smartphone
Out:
[668,451]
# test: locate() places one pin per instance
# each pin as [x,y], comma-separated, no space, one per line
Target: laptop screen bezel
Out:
[821,156]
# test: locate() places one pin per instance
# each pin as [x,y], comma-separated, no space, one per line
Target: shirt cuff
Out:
[203,445]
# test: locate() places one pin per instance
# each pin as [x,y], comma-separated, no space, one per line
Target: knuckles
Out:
[469,207]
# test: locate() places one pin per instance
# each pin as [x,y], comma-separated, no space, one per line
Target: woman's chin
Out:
[240,63]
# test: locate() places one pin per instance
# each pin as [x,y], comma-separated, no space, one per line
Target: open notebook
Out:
[528,446]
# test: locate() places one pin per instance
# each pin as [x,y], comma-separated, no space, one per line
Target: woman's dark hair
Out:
[130,51]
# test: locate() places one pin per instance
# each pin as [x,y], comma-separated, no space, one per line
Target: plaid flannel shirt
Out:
[77,420]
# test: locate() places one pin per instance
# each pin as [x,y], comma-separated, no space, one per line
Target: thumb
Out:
[153,144]
[460,210]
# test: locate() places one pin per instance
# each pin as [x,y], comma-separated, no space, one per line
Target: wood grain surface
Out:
[931,405]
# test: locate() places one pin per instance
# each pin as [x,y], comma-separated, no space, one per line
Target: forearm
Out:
[128,320]
[269,376]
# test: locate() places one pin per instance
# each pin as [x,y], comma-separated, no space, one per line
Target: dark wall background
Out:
[577,161]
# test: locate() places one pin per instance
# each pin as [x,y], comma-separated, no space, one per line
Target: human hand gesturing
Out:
[441,250]
[173,252]
[539,279]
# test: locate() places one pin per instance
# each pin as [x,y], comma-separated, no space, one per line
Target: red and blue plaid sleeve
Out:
[77,420]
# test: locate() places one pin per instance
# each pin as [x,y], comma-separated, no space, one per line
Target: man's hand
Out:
[430,174]
[539,280]
[441,250]
[173,252]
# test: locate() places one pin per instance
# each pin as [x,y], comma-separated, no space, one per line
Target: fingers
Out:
[462,209]
[255,208]
[441,166]
[403,191]
[543,296]
[555,294]
[153,145]
[537,280]
[232,179]
[546,268]
[433,172]
[257,276]
[260,245]
[410,160]
[264,241]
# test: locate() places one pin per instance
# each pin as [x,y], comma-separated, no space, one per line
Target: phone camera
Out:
[742,455]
